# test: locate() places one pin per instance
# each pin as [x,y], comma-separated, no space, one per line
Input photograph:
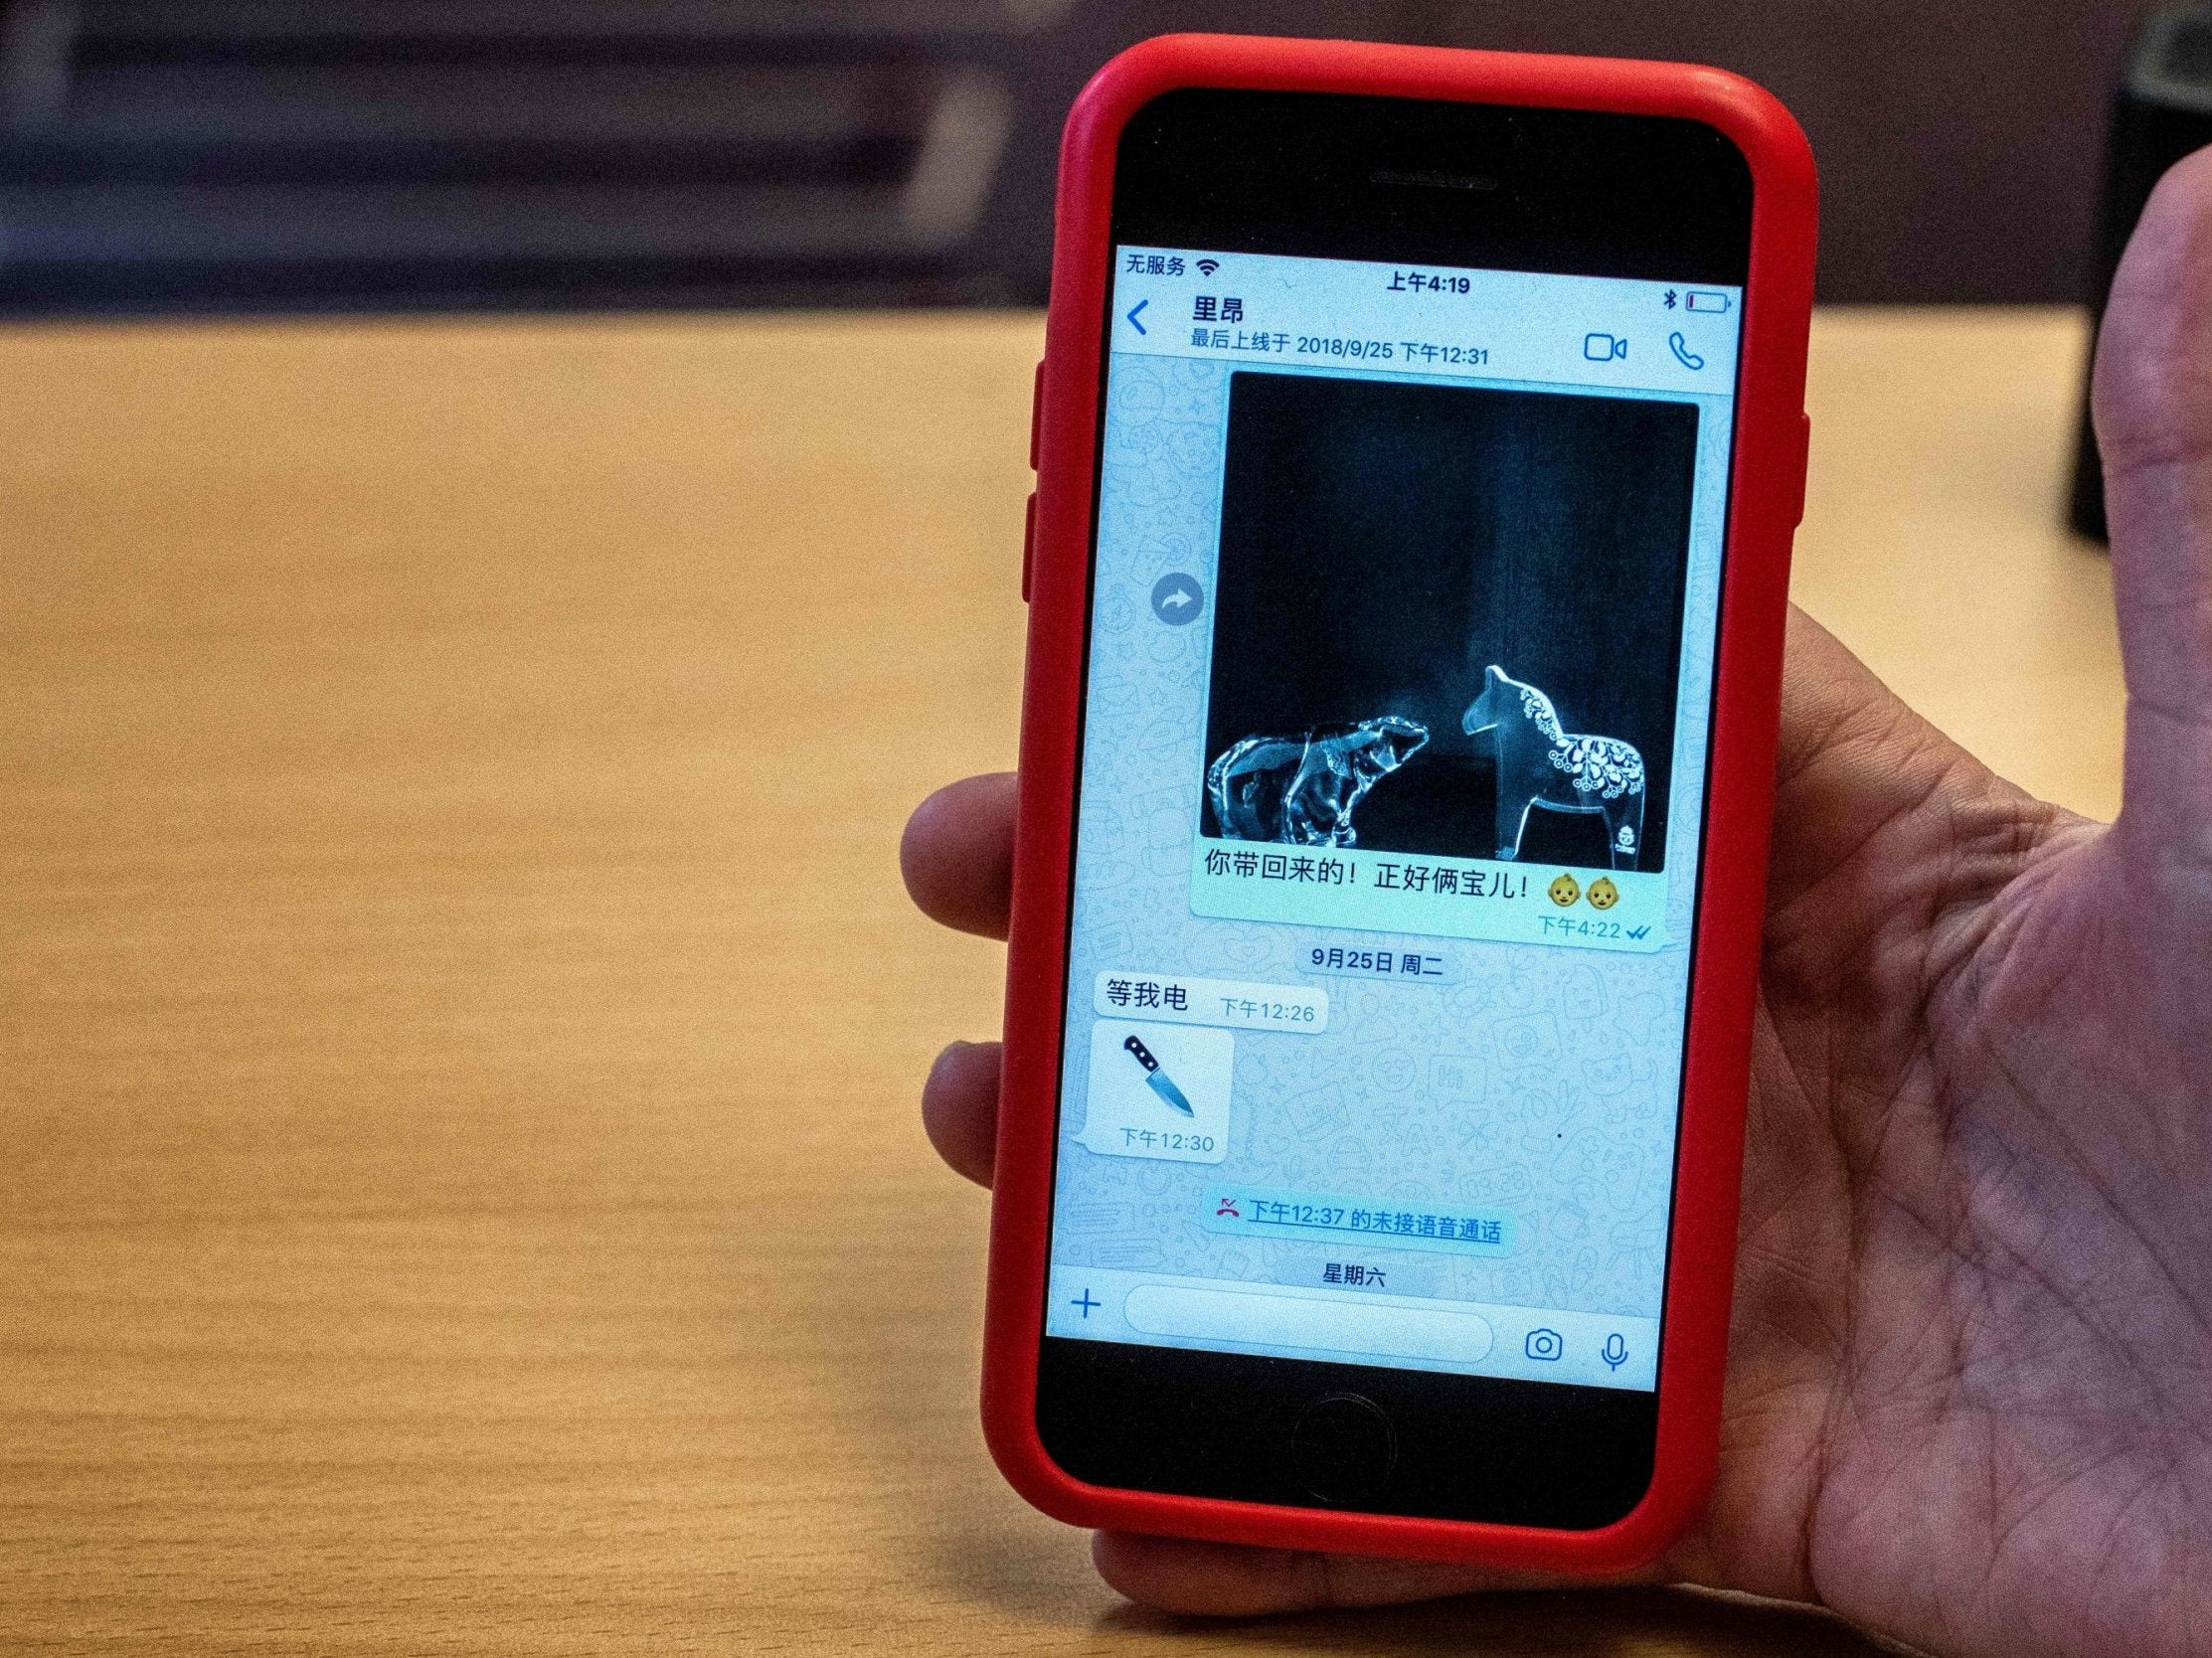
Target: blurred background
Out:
[255,155]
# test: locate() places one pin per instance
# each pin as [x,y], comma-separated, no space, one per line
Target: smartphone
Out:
[1420,440]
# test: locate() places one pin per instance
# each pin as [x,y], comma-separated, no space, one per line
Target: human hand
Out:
[1970,1395]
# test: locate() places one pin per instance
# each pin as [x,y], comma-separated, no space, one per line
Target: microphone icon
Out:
[1616,1350]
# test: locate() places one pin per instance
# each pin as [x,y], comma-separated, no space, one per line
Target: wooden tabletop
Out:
[461,1188]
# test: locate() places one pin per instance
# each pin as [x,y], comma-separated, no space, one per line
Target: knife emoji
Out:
[1157,1077]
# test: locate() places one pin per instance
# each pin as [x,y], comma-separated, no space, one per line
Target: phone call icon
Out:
[1683,352]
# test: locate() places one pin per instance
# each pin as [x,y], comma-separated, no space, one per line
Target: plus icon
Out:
[1085,1303]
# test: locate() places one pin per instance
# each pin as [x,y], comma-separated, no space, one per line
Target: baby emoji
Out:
[1565,891]
[1604,894]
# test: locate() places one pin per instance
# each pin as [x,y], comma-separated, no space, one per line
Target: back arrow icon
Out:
[1133,309]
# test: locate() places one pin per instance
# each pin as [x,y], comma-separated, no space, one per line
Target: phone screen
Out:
[1399,670]
[1401,663]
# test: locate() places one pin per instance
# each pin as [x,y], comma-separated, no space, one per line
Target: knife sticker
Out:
[1159,1090]
[1159,1080]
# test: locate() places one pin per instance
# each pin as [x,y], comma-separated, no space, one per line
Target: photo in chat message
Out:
[1449,621]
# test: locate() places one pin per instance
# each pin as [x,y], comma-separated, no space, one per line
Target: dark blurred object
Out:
[230,153]
[2162,113]
[158,154]
[1959,142]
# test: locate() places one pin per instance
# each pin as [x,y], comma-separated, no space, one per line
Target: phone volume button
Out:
[1804,463]
[1036,416]
[1029,544]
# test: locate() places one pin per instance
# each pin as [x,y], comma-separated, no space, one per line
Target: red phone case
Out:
[1765,503]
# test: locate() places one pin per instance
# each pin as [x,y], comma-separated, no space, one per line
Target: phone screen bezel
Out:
[1413,181]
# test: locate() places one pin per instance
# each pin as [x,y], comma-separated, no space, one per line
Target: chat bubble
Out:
[1159,1090]
[1179,999]
[1379,892]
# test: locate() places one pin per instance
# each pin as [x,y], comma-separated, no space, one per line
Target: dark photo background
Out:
[1382,544]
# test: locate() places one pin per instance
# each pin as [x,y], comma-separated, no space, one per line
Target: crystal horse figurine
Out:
[1541,765]
[1302,790]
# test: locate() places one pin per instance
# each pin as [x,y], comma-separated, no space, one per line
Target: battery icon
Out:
[1705,299]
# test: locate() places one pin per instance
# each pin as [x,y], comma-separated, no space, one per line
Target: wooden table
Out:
[461,1189]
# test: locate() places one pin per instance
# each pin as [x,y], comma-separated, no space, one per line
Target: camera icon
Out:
[1543,1344]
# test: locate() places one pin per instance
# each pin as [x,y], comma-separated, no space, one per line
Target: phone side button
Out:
[1029,544]
[1036,415]
[1804,463]
[1343,1449]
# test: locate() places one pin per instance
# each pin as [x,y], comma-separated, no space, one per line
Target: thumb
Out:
[2153,409]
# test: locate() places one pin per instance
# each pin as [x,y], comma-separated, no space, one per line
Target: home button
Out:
[1343,1449]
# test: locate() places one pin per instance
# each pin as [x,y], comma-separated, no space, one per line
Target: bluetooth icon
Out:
[1669,299]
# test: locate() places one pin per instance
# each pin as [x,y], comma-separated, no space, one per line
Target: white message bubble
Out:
[1159,1090]
[1179,999]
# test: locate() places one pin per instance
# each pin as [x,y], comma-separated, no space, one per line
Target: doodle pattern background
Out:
[1536,1078]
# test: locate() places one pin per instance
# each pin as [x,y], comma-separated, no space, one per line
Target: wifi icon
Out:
[1206,267]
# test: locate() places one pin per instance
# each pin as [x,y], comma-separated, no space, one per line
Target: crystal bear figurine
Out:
[1303,789]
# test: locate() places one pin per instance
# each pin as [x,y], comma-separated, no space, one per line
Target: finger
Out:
[1828,693]
[958,854]
[1852,757]
[2154,408]
[1226,1579]
[959,1107]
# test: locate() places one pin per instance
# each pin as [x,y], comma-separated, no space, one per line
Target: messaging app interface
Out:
[1388,836]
